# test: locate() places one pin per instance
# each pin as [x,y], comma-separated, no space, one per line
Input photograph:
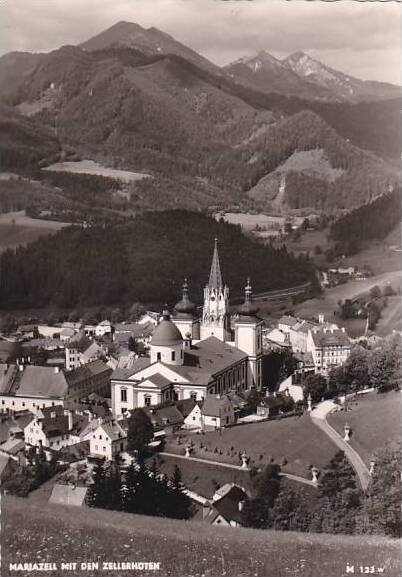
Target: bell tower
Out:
[215,313]
[248,337]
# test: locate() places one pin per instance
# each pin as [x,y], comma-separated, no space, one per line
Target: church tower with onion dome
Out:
[185,317]
[215,313]
[248,337]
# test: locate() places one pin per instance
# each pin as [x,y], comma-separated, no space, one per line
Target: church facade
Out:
[193,355]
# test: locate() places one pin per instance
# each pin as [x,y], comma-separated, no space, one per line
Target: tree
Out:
[381,513]
[136,311]
[316,386]
[253,399]
[384,366]
[180,504]
[375,292]
[98,492]
[140,431]
[132,345]
[356,367]
[265,489]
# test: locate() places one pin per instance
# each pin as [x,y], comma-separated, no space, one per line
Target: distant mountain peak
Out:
[261,59]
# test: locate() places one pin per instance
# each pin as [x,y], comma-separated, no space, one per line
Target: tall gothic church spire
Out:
[215,313]
[215,276]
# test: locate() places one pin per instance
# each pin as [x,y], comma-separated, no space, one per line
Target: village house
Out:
[107,440]
[217,412]
[55,428]
[29,387]
[103,328]
[75,348]
[225,508]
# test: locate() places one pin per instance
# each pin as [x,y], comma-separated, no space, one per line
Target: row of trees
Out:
[37,471]
[379,368]
[364,223]
[139,490]
[339,505]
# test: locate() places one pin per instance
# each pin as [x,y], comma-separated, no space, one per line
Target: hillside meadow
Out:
[190,549]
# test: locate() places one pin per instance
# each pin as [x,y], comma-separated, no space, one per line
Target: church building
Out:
[192,355]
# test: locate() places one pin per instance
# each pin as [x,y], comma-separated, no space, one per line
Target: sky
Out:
[359,38]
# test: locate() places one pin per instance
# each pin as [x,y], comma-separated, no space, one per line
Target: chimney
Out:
[21,368]
[343,329]
[241,505]
[321,318]
[56,370]
[70,420]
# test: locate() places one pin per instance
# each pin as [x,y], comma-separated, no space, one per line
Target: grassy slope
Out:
[57,534]
[375,421]
[295,438]
[24,230]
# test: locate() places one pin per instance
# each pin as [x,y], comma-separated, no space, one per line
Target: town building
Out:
[329,347]
[29,387]
[107,440]
[181,366]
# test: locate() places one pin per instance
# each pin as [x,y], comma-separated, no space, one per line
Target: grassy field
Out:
[327,303]
[59,534]
[375,421]
[390,317]
[380,256]
[91,167]
[295,439]
[16,229]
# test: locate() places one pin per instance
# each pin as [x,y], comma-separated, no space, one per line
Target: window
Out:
[147,401]
[104,449]
[193,395]
[173,355]
[123,395]
[158,356]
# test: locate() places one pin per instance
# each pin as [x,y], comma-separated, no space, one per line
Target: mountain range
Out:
[272,134]
[303,76]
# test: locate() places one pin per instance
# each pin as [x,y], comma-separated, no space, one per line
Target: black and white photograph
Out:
[200,288]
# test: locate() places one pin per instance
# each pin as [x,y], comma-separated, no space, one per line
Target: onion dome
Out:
[185,307]
[248,308]
[166,334]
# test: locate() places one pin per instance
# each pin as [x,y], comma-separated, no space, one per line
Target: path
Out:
[319,418]
[237,467]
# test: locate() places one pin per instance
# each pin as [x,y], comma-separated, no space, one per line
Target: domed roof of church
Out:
[248,308]
[166,333]
[185,306]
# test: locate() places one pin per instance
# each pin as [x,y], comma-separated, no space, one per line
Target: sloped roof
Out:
[213,406]
[79,341]
[169,415]
[288,320]
[88,370]
[42,382]
[207,358]
[330,338]
[113,430]
[12,446]
[68,495]
[136,365]
[185,406]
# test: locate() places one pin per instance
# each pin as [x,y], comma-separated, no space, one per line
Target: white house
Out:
[107,440]
[103,328]
[194,419]
[216,412]
[55,428]
[329,347]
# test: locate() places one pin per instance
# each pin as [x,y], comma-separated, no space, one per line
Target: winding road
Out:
[319,418]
